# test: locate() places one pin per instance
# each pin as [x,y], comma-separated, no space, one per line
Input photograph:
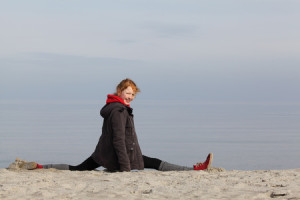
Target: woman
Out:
[118,148]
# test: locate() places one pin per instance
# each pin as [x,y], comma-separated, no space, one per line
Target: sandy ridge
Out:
[55,184]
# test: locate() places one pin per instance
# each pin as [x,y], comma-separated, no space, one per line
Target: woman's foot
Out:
[22,164]
[29,165]
[206,164]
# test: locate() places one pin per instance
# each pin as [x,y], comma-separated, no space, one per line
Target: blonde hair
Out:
[125,84]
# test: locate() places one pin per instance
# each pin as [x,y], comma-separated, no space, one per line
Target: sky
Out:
[237,51]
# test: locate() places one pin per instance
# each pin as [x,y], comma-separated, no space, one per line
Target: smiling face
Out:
[127,95]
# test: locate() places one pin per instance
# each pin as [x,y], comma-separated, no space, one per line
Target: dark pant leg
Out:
[160,165]
[87,165]
[152,163]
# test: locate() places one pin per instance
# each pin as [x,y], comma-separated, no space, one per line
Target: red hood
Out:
[113,98]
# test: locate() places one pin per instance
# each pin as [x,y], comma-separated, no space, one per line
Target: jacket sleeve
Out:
[118,122]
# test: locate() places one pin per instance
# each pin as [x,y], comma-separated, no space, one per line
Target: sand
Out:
[213,184]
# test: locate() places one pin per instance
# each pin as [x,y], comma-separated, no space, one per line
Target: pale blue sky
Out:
[207,50]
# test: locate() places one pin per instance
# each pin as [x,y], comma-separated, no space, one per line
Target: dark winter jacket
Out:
[118,147]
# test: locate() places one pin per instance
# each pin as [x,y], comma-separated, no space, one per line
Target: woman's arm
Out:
[118,122]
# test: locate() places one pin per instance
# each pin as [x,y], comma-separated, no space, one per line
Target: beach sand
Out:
[213,184]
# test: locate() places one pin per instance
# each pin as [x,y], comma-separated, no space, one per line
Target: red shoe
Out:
[206,164]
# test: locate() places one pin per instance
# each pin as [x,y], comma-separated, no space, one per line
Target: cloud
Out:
[124,42]
[58,76]
[171,29]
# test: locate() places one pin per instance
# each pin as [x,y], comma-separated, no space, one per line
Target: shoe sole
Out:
[211,156]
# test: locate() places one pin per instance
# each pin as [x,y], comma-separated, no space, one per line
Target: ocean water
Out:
[242,136]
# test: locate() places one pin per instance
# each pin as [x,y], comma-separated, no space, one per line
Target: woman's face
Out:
[127,95]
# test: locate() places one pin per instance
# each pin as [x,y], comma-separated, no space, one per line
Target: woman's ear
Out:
[119,92]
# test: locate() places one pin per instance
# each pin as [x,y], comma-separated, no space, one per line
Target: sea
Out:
[241,135]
